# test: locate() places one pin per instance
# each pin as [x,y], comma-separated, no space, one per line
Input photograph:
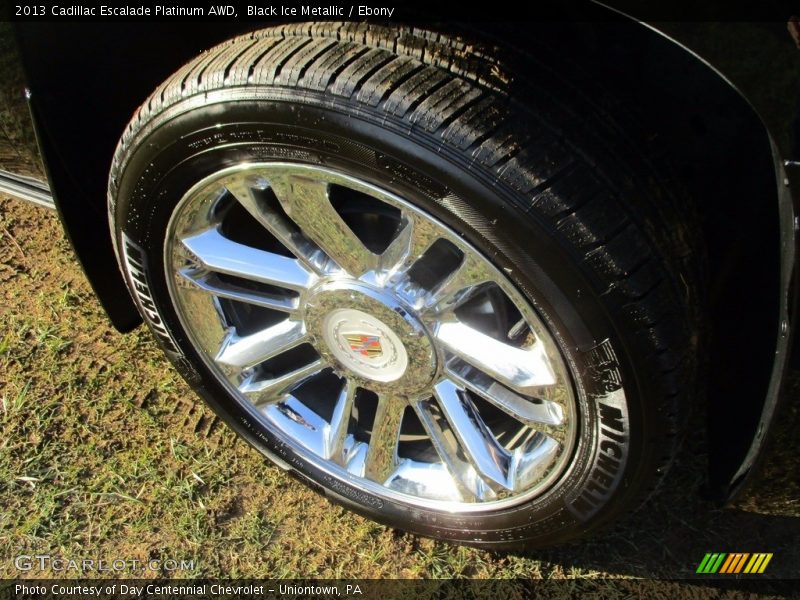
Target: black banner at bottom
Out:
[386,589]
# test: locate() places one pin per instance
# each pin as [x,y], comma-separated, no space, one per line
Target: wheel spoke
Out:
[250,350]
[381,458]
[538,413]
[295,418]
[410,243]
[530,462]
[267,391]
[308,204]
[242,188]
[217,253]
[429,480]
[479,445]
[336,431]
[523,370]
[209,282]
[470,485]
[460,286]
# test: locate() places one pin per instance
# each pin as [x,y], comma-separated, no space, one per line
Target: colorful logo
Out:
[735,562]
[365,345]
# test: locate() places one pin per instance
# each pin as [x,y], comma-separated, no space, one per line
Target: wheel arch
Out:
[712,135]
[732,168]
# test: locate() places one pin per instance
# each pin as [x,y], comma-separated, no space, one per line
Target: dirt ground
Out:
[106,452]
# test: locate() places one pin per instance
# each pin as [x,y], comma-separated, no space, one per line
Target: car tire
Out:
[433,279]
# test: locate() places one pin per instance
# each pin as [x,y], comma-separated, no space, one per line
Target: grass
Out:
[105,452]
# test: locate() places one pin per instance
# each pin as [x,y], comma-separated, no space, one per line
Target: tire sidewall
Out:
[187,145]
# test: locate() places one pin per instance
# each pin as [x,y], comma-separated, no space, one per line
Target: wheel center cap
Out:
[364,344]
[371,335]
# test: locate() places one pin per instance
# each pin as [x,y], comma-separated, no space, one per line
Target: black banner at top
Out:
[416,11]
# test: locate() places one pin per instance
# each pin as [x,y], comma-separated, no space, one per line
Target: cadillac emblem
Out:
[365,345]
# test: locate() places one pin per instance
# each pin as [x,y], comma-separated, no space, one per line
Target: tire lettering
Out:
[352,493]
[604,386]
[135,265]
[594,486]
[611,417]
[614,436]
[581,505]
[605,480]
[611,448]
[609,465]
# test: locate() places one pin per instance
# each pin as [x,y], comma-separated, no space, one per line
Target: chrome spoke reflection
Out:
[250,350]
[336,430]
[533,412]
[521,369]
[217,253]
[478,443]
[461,285]
[245,189]
[210,282]
[308,204]
[414,238]
[265,390]
[470,485]
[382,458]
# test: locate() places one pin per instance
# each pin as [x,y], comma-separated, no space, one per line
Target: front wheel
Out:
[399,283]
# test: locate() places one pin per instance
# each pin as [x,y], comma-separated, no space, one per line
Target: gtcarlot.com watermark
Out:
[57,564]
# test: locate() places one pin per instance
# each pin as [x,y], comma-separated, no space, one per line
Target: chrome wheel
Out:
[370,337]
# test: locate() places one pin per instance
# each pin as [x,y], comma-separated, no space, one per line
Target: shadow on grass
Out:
[670,535]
